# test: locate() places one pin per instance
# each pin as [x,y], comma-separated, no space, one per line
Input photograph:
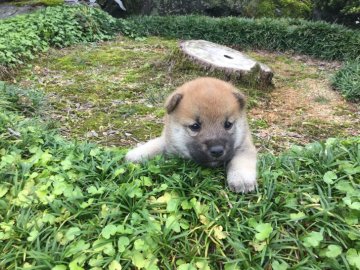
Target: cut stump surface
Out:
[213,56]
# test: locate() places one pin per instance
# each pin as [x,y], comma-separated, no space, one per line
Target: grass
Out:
[119,85]
[113,92]
[75,205]
[347,80]
[66,203]
[330,41]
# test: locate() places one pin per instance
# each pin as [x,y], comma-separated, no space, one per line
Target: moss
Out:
[114,91]
[321,99]
[134,109]
[145,130]
[287,70]
[110,85]
[39,3]
[316,129]
[108,88]
[258,124]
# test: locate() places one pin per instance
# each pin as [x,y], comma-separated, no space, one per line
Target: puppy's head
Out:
[205,121]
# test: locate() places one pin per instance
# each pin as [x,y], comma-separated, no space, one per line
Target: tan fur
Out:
[204,93]
[211,102]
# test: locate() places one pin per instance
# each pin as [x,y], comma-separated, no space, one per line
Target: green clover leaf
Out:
[123,242]
[109,230]
[353,257]
[313,239]
[333,251]
[329,177]
[264,230]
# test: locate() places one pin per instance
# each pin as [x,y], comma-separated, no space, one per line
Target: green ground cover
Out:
[75,205]
[347,80]
[39,2]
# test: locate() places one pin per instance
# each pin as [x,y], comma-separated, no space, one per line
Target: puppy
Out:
[206,122]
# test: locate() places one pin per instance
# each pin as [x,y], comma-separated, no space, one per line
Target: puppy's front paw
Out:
[135,155]
[241,180]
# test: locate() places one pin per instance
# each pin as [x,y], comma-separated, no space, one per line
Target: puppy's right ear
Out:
[172,102]
[241,99]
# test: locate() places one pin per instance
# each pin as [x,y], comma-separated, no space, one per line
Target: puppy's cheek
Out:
[239,133]
[178,141]
[241,181]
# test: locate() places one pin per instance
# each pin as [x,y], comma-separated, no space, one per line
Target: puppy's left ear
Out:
[172,102]
[240,97]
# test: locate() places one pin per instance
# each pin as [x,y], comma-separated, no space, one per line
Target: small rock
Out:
[92,133]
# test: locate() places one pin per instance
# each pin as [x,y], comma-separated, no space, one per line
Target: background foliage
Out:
[318,39]
[278,8]
[340,11]
[63,26]
[347,80]
[54,26]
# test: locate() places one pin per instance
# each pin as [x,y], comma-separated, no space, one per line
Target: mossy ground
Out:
[113,93]
[36,2]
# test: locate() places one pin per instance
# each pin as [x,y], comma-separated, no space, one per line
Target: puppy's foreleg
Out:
[146,151]
[241,172]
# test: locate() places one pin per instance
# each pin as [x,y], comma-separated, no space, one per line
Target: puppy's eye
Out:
[195,127]
[228,125]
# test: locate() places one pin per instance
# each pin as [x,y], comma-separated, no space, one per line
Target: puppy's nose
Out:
[216,151]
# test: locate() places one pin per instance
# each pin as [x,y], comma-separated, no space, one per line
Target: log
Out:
[215,57]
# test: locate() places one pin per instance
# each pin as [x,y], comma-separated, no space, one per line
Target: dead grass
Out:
[303,108]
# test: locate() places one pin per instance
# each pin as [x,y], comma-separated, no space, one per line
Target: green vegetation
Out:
[347,80]
[328,41]
[55,26]
[339,11]
[117,89]
[71,205]
[39,2]
[278,8]
[63,26]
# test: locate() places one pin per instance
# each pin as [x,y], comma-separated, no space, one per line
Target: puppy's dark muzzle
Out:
[216,151]
[211,153]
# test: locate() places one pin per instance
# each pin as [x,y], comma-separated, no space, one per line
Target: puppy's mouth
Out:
[205,160]
[215,163]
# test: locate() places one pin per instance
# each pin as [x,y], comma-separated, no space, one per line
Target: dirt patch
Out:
[305,110]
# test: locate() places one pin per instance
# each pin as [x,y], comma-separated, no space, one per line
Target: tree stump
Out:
[215,57]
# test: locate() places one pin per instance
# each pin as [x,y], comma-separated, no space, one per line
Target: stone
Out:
[216,57]
[9,10]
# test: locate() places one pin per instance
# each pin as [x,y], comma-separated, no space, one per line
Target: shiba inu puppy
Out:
[206,122]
